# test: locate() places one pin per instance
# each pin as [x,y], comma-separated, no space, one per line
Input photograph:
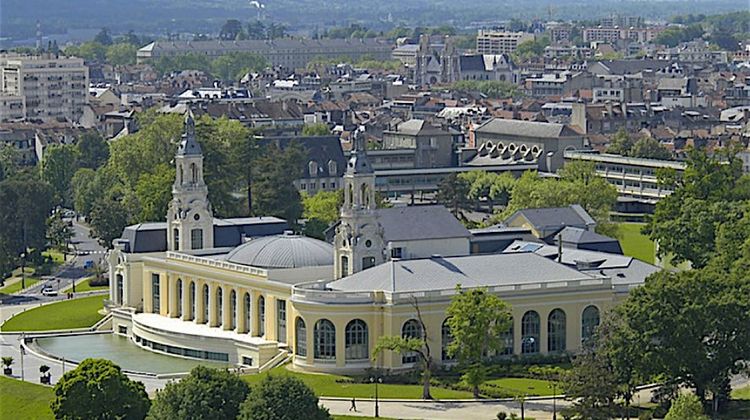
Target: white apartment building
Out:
[500,42]
[43,88]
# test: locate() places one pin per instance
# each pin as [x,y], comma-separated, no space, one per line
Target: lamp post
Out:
[554,401]
[23,270]
[376,381]
[23,352]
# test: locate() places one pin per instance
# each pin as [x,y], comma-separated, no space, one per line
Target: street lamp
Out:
[23,270]
[554,401]
[376,382]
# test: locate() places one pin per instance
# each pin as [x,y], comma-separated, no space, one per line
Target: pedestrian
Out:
[354,405]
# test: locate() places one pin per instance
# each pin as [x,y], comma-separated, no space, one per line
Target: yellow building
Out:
[179,289]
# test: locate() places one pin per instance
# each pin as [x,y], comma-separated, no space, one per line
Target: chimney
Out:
[559,248]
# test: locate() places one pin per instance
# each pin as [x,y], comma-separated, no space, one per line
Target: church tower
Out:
[189,217]
[359,242]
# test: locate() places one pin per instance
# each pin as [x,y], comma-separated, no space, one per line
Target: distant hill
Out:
[158,17]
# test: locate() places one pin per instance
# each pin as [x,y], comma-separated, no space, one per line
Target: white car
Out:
[49,291]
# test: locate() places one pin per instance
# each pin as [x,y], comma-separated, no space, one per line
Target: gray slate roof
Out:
[470,271]
[578,235]
[553,219]
[526,128]
[419,223]
[282,251]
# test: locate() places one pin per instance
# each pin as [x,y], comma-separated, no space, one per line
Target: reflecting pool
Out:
[119,350]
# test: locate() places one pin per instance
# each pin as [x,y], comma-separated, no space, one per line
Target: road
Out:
[86,248]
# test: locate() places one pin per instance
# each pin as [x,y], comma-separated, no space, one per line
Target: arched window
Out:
[556,331]
[179,297]
[530,329]
[176,235]
[350,195]
[196,238]
[446,339]
[324,340]
[233,303]
[300,336]
[281,321]
[192,300]
[118,295]
[589,322]
[312,168]
[220,305]
[411,329]
[364,197]
[205,303]
[262,316]
[179,171]
[248,319]
[344,266]
[332,169]
[155,293]
[508,340]
[356,342]
[194,173]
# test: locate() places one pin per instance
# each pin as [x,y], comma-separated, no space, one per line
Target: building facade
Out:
[43,88]
[500,42]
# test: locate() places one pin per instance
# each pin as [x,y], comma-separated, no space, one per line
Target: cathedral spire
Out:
[358,162]
[188,144]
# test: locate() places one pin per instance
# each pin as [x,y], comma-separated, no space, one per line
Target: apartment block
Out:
[499,42]
[43,88]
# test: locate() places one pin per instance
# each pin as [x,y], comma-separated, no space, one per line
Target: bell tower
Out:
[189,217]
[358,242]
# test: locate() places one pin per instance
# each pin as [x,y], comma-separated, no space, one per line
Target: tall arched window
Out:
[507,338]
[155,293]
[411,329]
[192,300]
[233,303]
[220,305]
[356,342]
[300,337]
[446,339]
[176,235]
[194,173]
[196,238]
[556,331]
[364,198]
[324,340]
[179,297]
[205,303]
[118,292]
[530,329]
[248,319]
[589,321]
[344,266]
[262,316]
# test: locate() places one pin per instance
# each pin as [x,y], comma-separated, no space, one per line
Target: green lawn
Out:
[23,400]
[16,287]
[56,255]
[326,385]
[519,386]
[741,394]
[68,314]
[634,243]
[84,286]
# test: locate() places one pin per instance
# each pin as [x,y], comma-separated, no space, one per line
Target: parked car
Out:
[88,264]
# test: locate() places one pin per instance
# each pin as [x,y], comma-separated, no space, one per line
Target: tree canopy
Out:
[282,397]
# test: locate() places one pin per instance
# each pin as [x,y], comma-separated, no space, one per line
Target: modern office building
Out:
[500,42]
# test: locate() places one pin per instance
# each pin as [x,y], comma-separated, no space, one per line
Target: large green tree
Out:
[205,394]
[58,166]
[282,397]
[93,150]
[121,54]
[477,320]
[274,193]
[98,389]
[154,192]
[453,193]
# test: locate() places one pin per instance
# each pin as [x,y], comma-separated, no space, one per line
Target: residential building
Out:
[500,42]
[432,146]
[45,87]
[284,52]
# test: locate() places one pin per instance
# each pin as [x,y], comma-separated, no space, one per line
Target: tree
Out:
[686,407]
[321,210]
[90,51]
[204,394]
[274,193]
[591,386]
[121,54]
[649,148]
[93,150]
[97,389]
[154,192]
[453,192]
[282,397]
[108,218]
[233,66]
[417,345]
[103,37]
[58,166]
[9,158]
[231,30]
[532,48]
[621,143]
[319,129]
[58,232]
[477,321]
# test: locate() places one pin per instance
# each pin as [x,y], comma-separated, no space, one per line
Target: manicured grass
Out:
[326,385]
[16,287]
[56,255]
[68,314]
[84,286]
[741,394]
[23,400]
[521,386]
[635,244]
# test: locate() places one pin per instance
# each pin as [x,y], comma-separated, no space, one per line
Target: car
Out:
[88,265]
[49,291]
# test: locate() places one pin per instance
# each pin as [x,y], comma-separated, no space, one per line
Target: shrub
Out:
[686,407]
[282,398]
[501,415]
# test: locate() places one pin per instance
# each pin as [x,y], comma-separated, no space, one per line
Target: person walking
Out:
[354,405]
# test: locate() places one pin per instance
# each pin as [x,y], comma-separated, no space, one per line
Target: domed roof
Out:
[282,251]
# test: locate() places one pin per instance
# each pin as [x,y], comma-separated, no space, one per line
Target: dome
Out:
[282,251]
